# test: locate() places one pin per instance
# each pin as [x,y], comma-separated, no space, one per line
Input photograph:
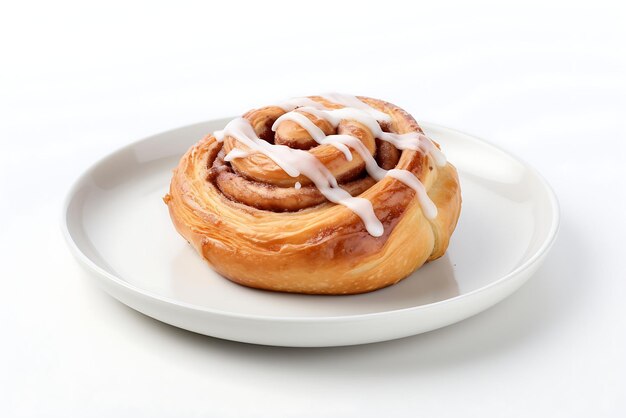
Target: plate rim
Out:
[86,262]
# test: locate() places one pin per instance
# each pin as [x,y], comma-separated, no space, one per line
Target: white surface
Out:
[543,80]
[117,226]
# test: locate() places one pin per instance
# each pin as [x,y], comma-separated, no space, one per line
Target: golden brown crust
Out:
[253,227]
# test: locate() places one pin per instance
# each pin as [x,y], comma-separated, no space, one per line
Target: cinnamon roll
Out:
[329,194]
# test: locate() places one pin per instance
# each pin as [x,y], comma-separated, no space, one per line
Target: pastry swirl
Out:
[322,195]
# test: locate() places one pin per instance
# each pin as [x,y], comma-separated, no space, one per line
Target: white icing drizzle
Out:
[405,176]
[219,136]
[236,153]
[316,133]
[297,162]
[341,147]
[353,102]
[297,185]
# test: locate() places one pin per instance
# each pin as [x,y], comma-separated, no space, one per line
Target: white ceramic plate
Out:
[118,227]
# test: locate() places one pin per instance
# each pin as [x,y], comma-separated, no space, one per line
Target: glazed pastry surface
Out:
[322,195]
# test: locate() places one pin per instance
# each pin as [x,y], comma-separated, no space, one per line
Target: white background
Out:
[546,81]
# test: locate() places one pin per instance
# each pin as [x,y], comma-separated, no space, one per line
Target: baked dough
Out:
[261,227]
